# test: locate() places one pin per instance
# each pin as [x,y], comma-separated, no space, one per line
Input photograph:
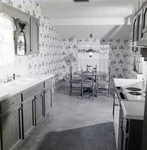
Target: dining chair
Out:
[88,85]
[103,83]
[75,83]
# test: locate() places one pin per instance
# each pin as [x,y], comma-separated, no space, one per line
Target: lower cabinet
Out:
[11,123]
[33,104]
[20,113]
[132,134]
[28,117]
[48,99]
[39,108]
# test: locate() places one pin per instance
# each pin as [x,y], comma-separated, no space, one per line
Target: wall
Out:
[55,53]
[49,60]
[121,60]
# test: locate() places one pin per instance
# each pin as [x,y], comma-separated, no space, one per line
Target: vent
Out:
[81,0]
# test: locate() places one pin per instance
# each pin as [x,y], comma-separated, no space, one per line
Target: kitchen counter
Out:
[125,82]
[133,110]
[133,105]
[20,84]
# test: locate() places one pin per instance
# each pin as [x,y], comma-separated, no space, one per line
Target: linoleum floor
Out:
[74,124]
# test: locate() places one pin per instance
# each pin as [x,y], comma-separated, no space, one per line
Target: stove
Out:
[133,89]
[134,92]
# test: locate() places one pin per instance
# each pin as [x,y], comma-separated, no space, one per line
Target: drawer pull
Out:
[12,103]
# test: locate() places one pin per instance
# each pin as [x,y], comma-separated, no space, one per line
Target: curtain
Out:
[100,57]
[7,50]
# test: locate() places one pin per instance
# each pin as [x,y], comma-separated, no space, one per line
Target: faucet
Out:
[13,77]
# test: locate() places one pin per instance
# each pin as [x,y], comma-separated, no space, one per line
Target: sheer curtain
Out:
[100,57]
[7,50]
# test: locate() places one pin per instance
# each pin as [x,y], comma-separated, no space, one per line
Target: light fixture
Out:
[90,51]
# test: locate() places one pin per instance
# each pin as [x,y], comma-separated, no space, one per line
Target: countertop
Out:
[133,110]
[133,107]
[14,87]
[125,82]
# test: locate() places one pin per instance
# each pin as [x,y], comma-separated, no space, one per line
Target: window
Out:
[7,49]
[100,57]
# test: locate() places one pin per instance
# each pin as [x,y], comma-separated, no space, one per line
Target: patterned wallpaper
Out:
[55,53]
[121,60]
[49,60]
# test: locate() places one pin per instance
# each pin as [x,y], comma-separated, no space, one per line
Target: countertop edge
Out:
[40,78]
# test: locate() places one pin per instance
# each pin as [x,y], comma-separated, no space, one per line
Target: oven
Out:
[117,113]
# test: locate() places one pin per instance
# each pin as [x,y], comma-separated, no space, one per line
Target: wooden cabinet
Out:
[144,19]
[28,116]
[20,114]
[132,134]
[137,29]
[32,108]
[48,95]
[32,27]
[11,122]
[34,32]
[39,107]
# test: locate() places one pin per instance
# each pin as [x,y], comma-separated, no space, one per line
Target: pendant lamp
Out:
[90,51]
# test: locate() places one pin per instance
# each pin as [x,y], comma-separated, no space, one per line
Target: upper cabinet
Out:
[135,32]
[27,37]
[139,39]
[144,30]
[34,27]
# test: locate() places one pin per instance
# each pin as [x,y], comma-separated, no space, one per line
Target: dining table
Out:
[98,73]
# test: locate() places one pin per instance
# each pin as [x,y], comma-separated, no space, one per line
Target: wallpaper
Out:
[49,60]
[56,54]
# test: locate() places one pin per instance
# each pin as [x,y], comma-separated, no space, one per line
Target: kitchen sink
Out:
[25,80]
[21,82]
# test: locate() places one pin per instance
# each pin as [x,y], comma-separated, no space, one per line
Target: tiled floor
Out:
[74,124]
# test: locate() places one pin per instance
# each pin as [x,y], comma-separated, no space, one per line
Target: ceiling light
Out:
[90,51]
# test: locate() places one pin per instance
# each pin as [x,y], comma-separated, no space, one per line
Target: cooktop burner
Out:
[135,93]
[133,89]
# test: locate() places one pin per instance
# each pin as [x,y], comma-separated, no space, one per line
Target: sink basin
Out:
[21,82]
[15,84]
[25,80]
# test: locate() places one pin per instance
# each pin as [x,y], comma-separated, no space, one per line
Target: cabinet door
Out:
[145,19]
[135,33]
[48,99]
[11,129]
[39,108]
[28,116]
[34,35]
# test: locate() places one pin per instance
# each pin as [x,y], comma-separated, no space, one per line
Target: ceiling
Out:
[74,19]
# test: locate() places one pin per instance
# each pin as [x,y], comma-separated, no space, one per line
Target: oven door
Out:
[117,122]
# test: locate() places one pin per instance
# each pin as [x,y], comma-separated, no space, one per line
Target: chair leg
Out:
[82,91]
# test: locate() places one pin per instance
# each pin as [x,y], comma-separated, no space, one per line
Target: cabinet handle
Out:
[34,111]
[41,95]
[12,103]
[35,97]
[19,116]
[125,134]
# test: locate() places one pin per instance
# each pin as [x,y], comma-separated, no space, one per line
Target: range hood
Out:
[142,43]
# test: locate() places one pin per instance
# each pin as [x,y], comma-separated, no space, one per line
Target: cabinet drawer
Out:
[32,91]
[10,104]
[48,82]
